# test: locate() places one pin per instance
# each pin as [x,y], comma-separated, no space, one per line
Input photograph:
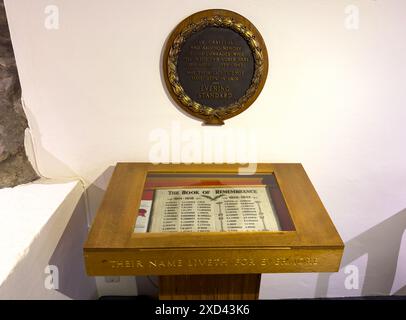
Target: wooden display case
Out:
[216,264]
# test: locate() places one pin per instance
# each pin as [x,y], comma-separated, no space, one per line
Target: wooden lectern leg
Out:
[210,287]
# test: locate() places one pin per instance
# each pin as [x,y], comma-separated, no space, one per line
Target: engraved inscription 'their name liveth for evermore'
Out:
[212,262]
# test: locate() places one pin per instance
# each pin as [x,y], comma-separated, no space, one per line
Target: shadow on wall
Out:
[382,245]
[146,285]
[68,258]
[96,190]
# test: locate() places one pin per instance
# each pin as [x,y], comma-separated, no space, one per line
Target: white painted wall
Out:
[42,232]
[334,101]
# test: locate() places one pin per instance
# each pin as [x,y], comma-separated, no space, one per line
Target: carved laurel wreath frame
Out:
[215,18]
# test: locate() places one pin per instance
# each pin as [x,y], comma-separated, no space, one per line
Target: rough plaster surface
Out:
[14,166]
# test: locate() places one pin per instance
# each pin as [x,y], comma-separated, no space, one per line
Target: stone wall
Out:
[14,166]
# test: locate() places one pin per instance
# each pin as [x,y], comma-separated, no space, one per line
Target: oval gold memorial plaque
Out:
[215,65]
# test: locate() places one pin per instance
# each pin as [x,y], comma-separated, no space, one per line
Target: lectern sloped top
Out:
[177,219]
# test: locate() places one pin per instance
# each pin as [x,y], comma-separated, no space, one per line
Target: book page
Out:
[208,209]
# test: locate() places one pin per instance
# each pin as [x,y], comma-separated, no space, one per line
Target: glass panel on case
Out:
[212,203]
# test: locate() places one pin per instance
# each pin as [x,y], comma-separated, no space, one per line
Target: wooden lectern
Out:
[138,231]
